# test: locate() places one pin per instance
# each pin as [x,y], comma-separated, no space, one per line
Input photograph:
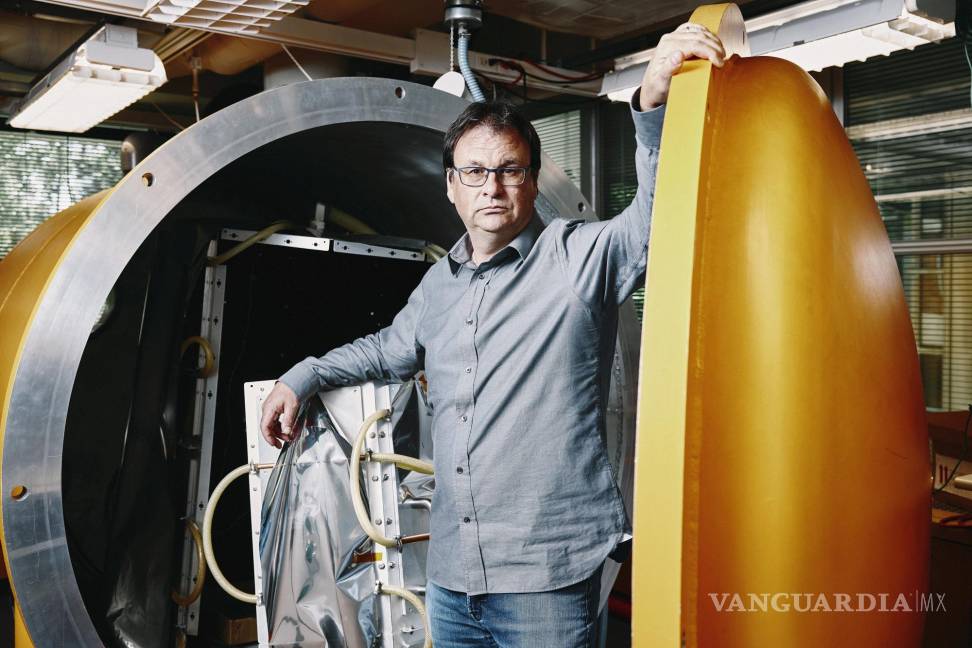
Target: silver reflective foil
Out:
[317,563]
[316,592]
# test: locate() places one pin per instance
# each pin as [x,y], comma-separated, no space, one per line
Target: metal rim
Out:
[37,552]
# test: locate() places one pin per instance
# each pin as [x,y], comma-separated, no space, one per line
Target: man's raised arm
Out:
[607,259]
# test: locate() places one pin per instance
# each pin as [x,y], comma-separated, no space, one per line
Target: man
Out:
[515,330]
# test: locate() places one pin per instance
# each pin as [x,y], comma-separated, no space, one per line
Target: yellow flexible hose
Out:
[359,511]
[356,500]
[411,463]
[190,598]
[355,225]
[435,251]
[208,537]
[272,228]
[206,370]
[416,603]
[403,461]
[351,223]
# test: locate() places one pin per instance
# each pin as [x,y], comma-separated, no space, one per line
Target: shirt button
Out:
[468,321]
[482,276]
[466,520]
[468,369]
[459,470]
[463,418]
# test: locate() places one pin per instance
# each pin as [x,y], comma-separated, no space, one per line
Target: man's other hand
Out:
[688,41]
[279,411]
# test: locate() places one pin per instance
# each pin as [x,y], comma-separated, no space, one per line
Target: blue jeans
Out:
[563,618]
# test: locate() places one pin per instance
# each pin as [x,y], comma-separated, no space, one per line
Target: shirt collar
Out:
[461,252]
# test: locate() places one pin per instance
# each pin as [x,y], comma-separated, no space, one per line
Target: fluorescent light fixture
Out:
[823,33]
[106,74]
[822,36]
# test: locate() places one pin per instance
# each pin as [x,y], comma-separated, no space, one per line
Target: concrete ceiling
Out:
[601,19]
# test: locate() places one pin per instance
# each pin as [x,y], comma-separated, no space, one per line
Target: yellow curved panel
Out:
[782,445]
[24,275]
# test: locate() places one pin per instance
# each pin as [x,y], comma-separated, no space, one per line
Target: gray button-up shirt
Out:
[517,353]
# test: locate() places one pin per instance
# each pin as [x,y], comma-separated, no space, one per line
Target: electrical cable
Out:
[562,80]
[574,79]
[520,92]
[166,115]
[299,66]
[196,64]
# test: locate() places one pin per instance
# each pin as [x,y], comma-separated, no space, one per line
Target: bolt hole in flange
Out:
[400,92]
[148,179]
[581,207]
[19,492]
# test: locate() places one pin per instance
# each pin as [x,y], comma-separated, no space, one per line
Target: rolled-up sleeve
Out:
[606,260]
[391,354]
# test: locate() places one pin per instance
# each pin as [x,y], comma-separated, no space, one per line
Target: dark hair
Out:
[498,116]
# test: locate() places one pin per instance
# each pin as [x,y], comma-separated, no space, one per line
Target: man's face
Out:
[494,207]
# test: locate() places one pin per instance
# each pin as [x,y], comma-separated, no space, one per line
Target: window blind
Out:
[617,150]
[619,180]
[561,139]
[43,174]
[909,119]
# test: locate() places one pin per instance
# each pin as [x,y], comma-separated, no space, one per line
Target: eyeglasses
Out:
[476,176]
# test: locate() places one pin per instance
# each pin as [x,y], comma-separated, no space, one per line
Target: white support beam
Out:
[335,39]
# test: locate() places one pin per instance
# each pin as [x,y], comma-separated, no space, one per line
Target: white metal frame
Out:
[204,420]
[348,406]
[321,244]
[257,451]
[382,491]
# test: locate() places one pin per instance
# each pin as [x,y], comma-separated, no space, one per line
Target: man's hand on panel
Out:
[279,411]
[690,40]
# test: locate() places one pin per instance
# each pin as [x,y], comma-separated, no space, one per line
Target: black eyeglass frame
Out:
[522,169]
